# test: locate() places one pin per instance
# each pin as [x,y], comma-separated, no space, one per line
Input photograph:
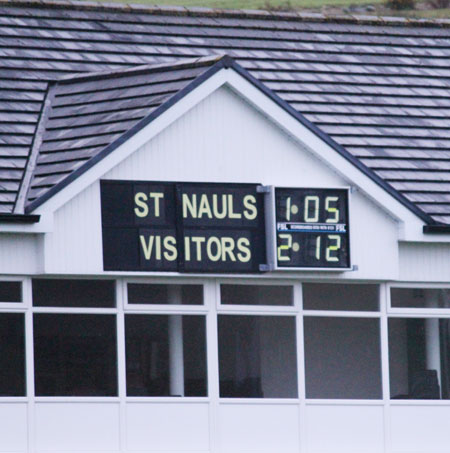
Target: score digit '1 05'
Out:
[312,228]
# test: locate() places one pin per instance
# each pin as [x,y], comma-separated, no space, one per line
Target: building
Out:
[223,231]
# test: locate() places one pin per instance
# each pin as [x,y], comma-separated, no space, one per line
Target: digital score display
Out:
[312,228]
[182,227]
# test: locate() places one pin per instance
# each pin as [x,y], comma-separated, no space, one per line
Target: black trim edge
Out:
[436,229]
[19,218]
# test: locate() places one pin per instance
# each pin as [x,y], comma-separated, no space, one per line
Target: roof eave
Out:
[19,218]
[436,229]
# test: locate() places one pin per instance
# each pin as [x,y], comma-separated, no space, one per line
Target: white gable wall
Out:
[424,262]
[19,254]
[222,139]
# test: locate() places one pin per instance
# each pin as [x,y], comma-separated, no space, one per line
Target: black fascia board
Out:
[227,62]
[19,218]
[436,229]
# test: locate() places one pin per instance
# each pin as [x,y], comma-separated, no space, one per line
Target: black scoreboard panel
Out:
[312,228]
[222,227]
[182,227]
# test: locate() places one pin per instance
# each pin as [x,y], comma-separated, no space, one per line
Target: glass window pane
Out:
[75,355]
[165,355]
[74,293]
[420,298]
[419,358]
[256,295]
[12,354]
[143,293]
[342,358]
[257,357]
[10,291]
[345,297]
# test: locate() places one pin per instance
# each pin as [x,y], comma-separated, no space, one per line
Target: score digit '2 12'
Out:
[312,228]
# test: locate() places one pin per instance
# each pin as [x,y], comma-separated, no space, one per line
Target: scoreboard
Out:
[153,226]
[312,228]
[182,227]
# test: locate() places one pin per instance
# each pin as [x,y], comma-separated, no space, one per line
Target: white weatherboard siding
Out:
[222,139]
[19,254]
[424,262]
[78,235]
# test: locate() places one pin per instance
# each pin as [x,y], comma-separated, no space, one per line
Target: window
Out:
[164,334]
[74,293]
[144,293]
[419,358]
[256,295]
[419,346]
[12,354]
[75,354]
[257,356]
[165,355]
[345,297]
[10,291]
[342,358]
[420,298]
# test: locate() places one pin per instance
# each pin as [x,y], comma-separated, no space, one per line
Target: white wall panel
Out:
[75,246]
[344,429]
[77,427]
[19,254]
[424,262]
[222,139]
[260,428]
[420,429]
[167,427]
[373,240]
[13,427]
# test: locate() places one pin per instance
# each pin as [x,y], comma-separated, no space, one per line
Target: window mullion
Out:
[29,366]
[121,362]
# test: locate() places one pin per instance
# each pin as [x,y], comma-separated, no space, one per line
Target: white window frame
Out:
[350,314]
[418,312]
[163,309]
[274,309]
[20,307]
[293,311]
[414,313]
[67,310]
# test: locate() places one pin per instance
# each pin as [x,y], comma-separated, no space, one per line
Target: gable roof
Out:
[377,88]
[88,116]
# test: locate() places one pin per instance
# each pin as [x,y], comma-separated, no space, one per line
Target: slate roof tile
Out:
[82,121]
[379,87]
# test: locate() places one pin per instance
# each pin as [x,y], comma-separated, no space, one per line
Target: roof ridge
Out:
[185,63]
[33,155]
[231,13]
